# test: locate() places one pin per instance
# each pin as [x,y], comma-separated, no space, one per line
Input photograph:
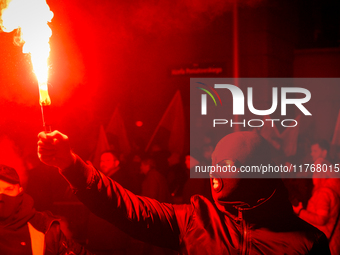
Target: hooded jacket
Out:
[30,232]
[201,227]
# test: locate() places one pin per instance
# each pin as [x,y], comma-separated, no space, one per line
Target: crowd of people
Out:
[146,203]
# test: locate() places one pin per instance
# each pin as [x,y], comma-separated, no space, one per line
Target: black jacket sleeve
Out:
[143,218]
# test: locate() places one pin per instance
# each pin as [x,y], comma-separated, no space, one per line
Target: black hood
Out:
[241,149]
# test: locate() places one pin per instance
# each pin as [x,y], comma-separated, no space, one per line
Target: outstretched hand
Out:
[54,149]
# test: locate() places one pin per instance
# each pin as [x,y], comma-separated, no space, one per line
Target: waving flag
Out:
[116,133]
[102,145]
[286,141]
[170,131]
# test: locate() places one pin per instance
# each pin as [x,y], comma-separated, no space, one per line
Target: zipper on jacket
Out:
[243,243]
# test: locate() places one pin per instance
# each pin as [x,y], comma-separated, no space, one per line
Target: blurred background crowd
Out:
[119,84]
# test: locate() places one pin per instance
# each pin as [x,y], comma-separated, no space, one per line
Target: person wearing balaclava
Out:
[23,230]
[248,216]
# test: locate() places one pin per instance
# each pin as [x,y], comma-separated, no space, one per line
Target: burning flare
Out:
[31,17]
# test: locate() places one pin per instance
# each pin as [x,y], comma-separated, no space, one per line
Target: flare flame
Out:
[31,18]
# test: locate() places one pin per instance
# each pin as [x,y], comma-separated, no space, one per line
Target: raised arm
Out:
[143,218]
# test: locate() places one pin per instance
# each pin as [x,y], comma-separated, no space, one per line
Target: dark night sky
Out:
[110,53]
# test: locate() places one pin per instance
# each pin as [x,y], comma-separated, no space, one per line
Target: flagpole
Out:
[236,73]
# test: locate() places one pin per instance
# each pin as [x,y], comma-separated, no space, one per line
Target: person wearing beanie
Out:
[248,216]
[23,230]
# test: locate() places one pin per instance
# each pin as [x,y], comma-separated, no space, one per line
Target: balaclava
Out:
[9,204]
[241,149]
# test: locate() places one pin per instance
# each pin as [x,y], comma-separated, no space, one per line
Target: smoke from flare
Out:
[31,18]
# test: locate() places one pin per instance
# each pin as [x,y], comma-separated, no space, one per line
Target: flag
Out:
[102,145]
[289,139]
[286,141]
[270,133]
[117,135]
[170,131]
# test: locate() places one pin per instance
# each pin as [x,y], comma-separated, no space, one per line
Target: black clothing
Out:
[201,227]
[22,232]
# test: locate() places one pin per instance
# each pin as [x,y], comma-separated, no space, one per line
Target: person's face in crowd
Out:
[317,152]
[10,189]
[145,167]
[224,187]
[107,162]
[10,199]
